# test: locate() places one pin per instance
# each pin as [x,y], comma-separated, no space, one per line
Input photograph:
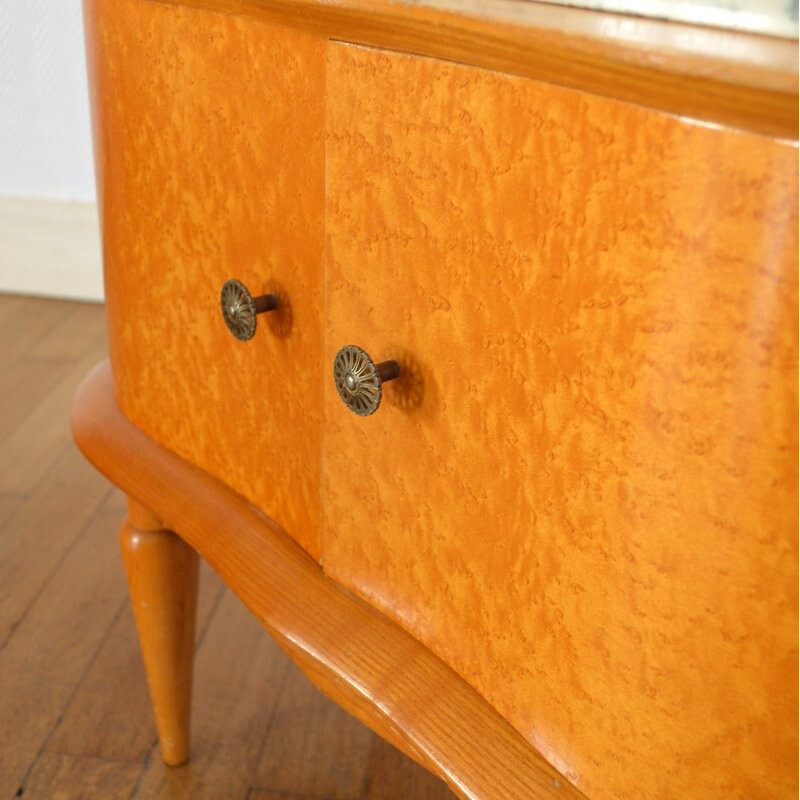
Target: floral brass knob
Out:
[239,308]
[358,379]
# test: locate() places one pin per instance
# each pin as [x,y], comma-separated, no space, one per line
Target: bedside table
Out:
[556,555]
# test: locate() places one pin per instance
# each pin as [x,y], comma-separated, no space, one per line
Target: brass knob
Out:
[358,379]
[239,308]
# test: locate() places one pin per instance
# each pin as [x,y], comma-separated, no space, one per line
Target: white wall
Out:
[45,152]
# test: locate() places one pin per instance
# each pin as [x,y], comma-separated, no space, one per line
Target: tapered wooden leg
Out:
[162,580]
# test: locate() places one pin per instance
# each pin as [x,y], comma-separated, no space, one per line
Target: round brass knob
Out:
[358,379]
[239,308]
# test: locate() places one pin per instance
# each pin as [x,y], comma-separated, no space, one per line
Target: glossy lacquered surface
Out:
[162,573]
[209,146]
[581,491]
[356,655]
[725,77]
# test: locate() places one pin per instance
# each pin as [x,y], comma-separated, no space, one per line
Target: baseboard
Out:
[50,248]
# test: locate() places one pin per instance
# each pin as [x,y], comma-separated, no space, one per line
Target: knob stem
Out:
[265,302]
[387,370]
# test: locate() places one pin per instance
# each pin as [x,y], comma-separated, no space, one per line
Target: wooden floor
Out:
[75,719]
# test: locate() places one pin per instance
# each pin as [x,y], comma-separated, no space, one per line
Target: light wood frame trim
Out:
[730,78]
[357,656]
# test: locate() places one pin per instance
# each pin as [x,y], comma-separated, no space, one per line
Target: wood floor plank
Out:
[75,716]
[8,304]
[75,333]
[109,715]
[239,671]
[26,453]
[313,746]
[394,776]
[26,323]
[8,505]
[43,662]
[57,776]
[42,529]
[116,501]
[25,382]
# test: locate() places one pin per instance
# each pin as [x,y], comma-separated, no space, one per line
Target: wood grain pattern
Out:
[725,77]
[77,332]
[96,725]
[23,323]
[595,308]
[162,580]
[239,676]
[31,545]
[8,505]
[260,794]
[58,635]
[104,717]
[209,150]
[313,747]
[30,443]
[362,708]
[57,776]
[582,492]
[22,380]
[390,778]
[369,659]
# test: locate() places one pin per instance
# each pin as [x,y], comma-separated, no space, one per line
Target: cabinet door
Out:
[580,491]
[210,150]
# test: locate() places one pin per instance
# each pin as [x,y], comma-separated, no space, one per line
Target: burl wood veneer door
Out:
[581,492]
[210,157]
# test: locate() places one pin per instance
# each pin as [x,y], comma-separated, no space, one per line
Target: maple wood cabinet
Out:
[575,508]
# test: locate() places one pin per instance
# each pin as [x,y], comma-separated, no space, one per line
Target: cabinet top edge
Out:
[767,17]
[731,78]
